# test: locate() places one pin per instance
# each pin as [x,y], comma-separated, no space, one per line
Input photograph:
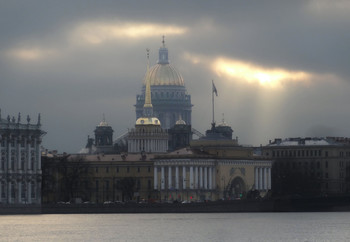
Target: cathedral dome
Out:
[147,121]
[164,74]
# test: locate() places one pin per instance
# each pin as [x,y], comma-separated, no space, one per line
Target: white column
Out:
[205,177]
[19,156]
[9,195]
[19,185]
[28,153]
[155,182]
[260,178]
[191,177]
[210,178]
[177,178]
[269,179]
[0,166]
[201,177]
[9,155]
[196,178]
[265,178]
[256,178]
[163,179]
[184,177]
[169,177]
[214,177]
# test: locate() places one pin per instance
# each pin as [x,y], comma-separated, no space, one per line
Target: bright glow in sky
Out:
[252,73]
[31,54]
[99,32]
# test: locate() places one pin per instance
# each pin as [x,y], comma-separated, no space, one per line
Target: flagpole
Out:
[212,96]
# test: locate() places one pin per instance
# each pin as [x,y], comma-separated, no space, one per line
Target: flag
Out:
[214,89]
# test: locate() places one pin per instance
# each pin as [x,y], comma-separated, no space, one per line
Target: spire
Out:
[163,53]
[39,119]
[147,107]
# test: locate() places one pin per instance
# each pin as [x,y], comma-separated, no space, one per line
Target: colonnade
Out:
[262,177]
[184,177]
[149,145]
[20,192]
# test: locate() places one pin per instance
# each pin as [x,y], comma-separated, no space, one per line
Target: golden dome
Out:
[103,124]
[147,121]
[164,74]
[180,122]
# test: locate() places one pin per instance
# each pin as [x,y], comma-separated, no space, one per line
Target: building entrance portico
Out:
[184,179]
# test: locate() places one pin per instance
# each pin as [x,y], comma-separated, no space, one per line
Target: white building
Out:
[20,161]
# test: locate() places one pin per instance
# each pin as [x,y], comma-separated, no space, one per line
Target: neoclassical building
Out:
[214,167]
[169,96]
[20,161]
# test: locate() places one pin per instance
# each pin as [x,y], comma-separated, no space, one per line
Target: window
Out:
[138,169]
[23,190]
[97,185]
[117,169]
[13,192]
[149,169]
[149,184]
[3,194]
[96,169]
[326,164]
[107,169]
[33,189]
[138,186]
[127,169]
[107,185]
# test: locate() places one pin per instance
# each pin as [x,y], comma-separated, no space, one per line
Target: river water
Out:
[177,227]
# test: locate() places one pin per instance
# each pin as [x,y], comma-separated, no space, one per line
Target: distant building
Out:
[180,135]
[20,161]
[98,178]
[169,95]
[324,162]
[104,138]
[213,167]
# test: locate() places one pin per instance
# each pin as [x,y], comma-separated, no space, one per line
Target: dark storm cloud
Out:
[73,82]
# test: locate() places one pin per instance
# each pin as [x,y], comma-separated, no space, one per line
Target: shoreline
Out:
[333,204]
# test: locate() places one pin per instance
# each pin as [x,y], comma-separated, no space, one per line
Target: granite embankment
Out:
[275,205]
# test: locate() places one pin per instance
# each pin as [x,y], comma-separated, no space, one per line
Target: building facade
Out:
[213,167]
[98,178]
[322,163]
[20,161]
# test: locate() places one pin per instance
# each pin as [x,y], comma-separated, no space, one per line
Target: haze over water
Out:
[177,227]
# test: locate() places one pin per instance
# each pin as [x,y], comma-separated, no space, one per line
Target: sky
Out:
[281,68]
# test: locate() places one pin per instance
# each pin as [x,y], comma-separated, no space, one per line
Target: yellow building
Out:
[322,162]
[211,170]
[98,178]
